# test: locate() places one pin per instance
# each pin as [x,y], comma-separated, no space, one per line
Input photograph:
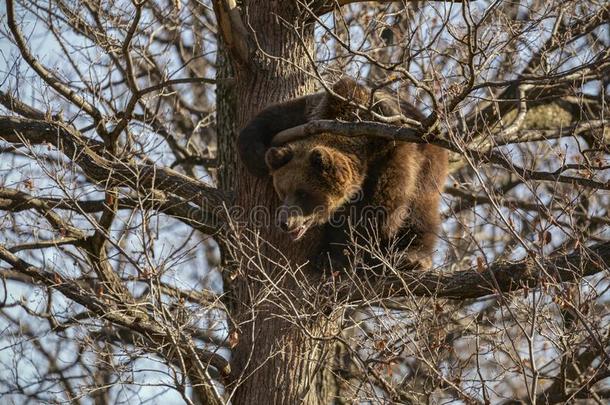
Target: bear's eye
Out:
[301,194]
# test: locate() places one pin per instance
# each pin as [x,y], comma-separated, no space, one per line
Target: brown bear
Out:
[363,190]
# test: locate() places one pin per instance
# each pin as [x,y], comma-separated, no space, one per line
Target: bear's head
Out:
[312,182]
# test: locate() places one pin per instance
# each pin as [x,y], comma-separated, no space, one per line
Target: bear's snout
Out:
[290,219]
[286,215]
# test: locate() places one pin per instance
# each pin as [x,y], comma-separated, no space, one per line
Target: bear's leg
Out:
[425,223]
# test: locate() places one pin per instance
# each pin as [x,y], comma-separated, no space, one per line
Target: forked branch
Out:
[232,29]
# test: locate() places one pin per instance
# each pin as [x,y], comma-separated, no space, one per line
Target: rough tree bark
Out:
[273,362]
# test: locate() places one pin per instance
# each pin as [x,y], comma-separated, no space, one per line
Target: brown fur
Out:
[390,190]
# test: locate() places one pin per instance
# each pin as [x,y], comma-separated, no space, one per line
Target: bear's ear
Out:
[334,166]
[278,157]
[321,159]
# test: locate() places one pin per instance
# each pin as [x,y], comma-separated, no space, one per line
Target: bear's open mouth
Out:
[298,232]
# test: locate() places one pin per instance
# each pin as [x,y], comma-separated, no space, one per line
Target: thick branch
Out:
[362,128]
[11,199]
[467,199]
[101,167]
[501,277]
[578,129]
[403,134]
[13,104]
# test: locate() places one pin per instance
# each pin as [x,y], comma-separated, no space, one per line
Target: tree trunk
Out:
[274,362]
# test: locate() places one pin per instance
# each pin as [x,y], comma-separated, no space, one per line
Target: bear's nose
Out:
[282,218]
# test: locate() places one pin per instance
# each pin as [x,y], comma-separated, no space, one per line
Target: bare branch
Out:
[101,169]
[132,321]
[44,73]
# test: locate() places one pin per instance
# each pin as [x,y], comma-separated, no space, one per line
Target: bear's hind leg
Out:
[425,221]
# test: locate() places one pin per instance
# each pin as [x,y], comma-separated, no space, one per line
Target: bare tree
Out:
[140,261]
